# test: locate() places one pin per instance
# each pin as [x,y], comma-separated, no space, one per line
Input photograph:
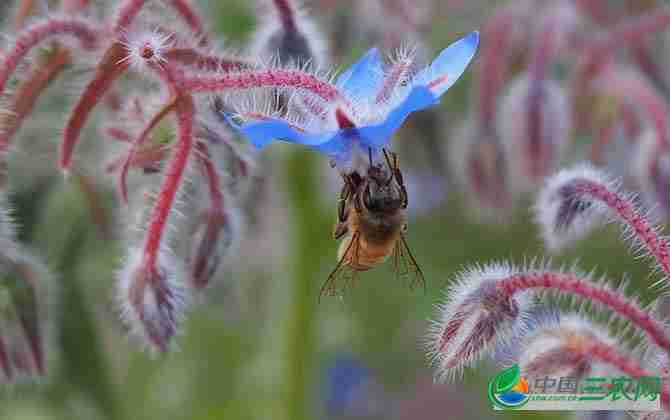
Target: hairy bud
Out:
[558,345]
[476,317]
[536,135]
[480,165]
[564,211]
[24,283]
[152,299]
[287,31]
[575,200]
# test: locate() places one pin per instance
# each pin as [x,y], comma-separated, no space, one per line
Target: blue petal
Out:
[450,64]
[263,132]
[364,78]
[378,136]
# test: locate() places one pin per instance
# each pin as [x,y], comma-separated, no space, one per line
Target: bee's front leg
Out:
[397,174]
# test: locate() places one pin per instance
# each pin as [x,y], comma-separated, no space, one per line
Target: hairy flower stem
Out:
[139,141]
[25,96]
[39,32]
[195,58]
[570,283]
[266,78]
[608,354]
[173,178]
[110,68]
[625,210]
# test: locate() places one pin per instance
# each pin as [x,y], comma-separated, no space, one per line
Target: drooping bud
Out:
[564,212]
[288,32]
[557,346]
[218,230]
[476,317]
[481,168]
[575,200]
[152,298]
[536,135]
[24,281]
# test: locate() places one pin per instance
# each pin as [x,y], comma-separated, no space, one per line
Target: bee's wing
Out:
[405,265]
[343,273]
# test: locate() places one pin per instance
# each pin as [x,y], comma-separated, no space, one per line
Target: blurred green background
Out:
[256,336]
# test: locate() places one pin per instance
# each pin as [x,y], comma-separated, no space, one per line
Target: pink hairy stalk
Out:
[572,284]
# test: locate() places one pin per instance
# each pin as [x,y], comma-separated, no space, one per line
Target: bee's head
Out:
[381,191]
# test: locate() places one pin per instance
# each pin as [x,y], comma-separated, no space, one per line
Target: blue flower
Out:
[361,119]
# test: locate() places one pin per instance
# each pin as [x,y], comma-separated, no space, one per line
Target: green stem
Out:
[299,327]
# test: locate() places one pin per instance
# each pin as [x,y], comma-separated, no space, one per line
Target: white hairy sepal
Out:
[464,302]
[162,300]
[589,215]
[563,333]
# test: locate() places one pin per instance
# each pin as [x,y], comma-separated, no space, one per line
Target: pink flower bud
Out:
[575,200]
[536,136]
[475,318]
[559,347]
[153,299]
[565,215]
[481,167]
[27,284]
[288,32]
[216,236]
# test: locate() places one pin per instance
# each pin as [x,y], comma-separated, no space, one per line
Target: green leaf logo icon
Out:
[501,389]
[505,380]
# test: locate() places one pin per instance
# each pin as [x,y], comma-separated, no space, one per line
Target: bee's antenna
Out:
[370,155]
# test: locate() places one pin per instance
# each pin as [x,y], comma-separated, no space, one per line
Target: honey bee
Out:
[371,224]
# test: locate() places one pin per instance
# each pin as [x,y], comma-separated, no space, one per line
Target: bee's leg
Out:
[394,166]
[329,288]
[339,230]
[347,191]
